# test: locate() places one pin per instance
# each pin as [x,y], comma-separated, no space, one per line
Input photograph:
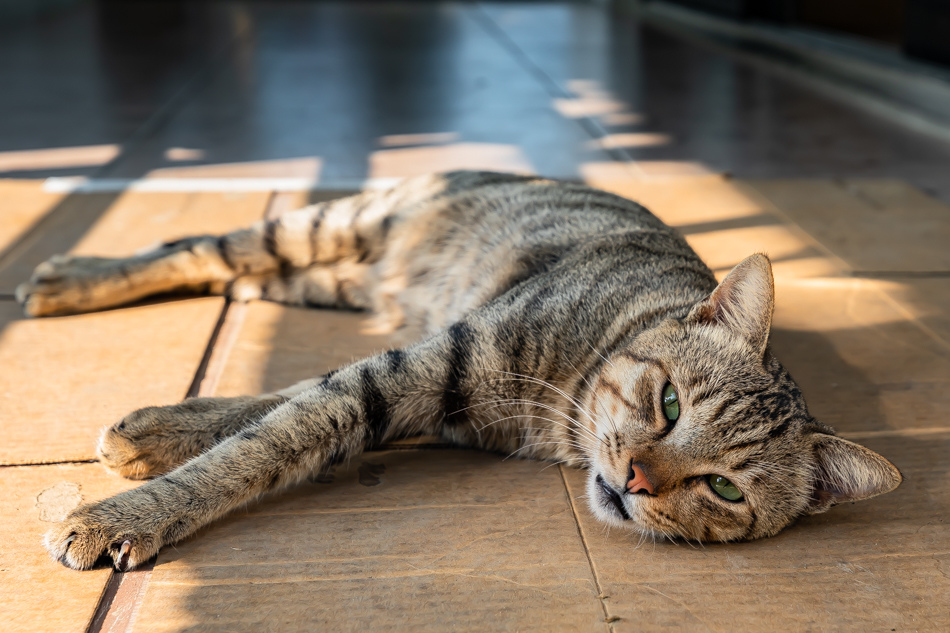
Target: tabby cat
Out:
[561,323]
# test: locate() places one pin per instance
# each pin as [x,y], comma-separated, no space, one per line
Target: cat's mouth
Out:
[612,498]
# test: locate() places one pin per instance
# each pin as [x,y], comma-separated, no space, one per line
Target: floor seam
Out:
[201,374]
[224,338]
[608,619]
[56,463]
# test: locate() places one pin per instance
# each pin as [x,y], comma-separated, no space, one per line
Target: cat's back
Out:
[480,234]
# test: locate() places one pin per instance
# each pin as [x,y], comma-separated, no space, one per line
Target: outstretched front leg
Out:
[393,394]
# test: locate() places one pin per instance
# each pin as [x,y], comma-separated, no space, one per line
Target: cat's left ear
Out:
[743,302]
[845,471]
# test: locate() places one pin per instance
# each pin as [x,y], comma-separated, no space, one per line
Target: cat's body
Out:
[560,322]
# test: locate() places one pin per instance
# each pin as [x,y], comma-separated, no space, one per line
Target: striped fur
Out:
[552,314]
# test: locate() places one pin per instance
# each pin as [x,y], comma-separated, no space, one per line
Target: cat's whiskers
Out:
[494,404]
[586,434]
[534,380]
[643,537]
[578,426]
[545,443]
[584,431]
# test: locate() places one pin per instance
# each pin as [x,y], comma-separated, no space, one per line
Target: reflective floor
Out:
[348,91]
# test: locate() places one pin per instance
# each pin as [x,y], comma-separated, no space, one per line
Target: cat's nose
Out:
[637,480]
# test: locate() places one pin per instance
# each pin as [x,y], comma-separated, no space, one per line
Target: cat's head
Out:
[705,436]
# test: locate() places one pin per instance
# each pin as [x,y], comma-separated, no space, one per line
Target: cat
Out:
[560,323]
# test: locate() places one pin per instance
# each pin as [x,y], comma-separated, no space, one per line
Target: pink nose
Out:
[638,482]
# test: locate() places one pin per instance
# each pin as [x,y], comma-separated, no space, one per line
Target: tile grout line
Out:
[56,463]
[232,319]
[124,593]
[121,600]
[608,619]
[888,433]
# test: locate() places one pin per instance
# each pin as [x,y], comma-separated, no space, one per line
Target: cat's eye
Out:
[671,403]
[724,488]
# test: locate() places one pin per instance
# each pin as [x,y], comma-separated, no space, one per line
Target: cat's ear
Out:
[743,302]
[845,471]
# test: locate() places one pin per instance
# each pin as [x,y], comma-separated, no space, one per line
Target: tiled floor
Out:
[425,538]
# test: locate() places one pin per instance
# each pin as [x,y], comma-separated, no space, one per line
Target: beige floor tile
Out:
[277,346]
[863,363]
[881,225]
[23,204]
[36,593]
[420,540]
[723,220]
[684,201]
[65,378]
[138,220]
[878,565]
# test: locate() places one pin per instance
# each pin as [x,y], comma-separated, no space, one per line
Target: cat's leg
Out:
[345,285]
[398,393]
[273,253]
[155,440]
[67,284]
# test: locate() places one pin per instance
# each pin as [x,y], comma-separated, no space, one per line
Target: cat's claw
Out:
[123,555]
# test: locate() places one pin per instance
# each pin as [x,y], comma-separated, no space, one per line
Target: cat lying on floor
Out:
[562,323]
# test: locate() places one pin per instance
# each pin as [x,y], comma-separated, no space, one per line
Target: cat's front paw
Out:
[143,444]
[97,532]
[155,440]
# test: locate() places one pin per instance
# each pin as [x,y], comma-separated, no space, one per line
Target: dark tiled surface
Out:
[276,81]
[728,115]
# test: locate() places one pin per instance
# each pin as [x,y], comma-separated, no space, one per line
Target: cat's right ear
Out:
[743,302]
[845,472]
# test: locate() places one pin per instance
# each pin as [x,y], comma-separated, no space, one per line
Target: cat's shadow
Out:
[837,393]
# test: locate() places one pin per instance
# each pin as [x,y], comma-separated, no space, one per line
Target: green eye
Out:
[671,403]
[724,488]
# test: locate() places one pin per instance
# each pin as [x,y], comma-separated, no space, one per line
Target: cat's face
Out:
[704,435]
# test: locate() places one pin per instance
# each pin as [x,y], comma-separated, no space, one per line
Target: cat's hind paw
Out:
[67,285]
